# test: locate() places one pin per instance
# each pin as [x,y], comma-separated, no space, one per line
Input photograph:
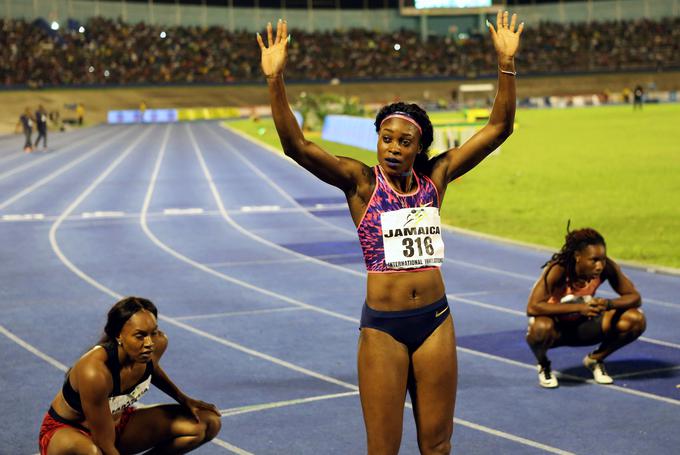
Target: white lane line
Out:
[275,261]
[76,203]
[288,197]
[276,187]
[280,404]
[238,227]
[230,447]
[33,350]
[512,437]
[103,214]
[260,208]
[571,377]
[646,372]
[235,313]
[660,342]
[23,217]
[183,211]
[46,158]
[101,146]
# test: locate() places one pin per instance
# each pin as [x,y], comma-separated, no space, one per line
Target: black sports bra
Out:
[118,400]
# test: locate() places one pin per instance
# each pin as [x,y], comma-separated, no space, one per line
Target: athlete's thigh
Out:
[435,370]
[154,425]
[383,365]
[68,440]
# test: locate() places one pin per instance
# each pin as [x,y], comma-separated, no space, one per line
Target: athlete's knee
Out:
[632,322]
[82,447]
[541,330]
[436,445]
[381,447]
[213,424]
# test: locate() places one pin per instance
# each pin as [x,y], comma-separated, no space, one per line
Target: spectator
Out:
[41,124]
[25,123]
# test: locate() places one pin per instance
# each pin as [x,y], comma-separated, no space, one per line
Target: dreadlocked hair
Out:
[574,241]
[422,164]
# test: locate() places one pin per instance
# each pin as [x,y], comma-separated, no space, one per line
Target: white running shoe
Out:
[546,378]
[597,368]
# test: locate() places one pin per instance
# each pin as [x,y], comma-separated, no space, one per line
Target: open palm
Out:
[505,38]
[275,53]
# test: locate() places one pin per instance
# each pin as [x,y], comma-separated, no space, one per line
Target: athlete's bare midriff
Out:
[401,291]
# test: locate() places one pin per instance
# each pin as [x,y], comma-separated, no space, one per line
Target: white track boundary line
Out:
[33,350]
[236,313]
[98,148]
[279,404]
[230,447]
[571,377]
[645,372]
[238,227]
[55,226]
[452,228]
[46,158]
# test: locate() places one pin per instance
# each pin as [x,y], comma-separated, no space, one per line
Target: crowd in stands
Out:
[111,52]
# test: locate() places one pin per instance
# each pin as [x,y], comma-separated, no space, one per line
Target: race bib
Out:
[412,238]
[120,402]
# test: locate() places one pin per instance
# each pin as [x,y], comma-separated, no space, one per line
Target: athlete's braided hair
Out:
[420,116]
[574,241]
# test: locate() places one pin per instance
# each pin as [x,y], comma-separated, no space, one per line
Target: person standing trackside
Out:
[25,123]
[41,125]
[407,340]
[638,97]
[80,113]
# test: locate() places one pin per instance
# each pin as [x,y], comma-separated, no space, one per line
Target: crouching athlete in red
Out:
[564,311]
[93,413]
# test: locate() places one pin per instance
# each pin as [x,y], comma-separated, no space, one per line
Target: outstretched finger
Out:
[260,42]
[491,29]
[499,19]
[278,32]
[513,22]
[505,19]
[269,34]
[284,31]
[520,28]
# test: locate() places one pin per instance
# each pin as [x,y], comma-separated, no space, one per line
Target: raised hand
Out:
[505,38]
[274,55]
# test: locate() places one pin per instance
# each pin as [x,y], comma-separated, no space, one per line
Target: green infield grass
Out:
[609,168]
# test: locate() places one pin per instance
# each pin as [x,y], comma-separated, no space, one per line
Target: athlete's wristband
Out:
[610,305]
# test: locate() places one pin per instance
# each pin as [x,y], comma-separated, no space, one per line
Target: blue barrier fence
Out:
[355,131]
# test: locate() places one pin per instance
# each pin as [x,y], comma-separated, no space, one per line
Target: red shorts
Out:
[53,422]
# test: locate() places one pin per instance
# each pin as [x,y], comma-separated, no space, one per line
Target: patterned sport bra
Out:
[568,289]
[401,232]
